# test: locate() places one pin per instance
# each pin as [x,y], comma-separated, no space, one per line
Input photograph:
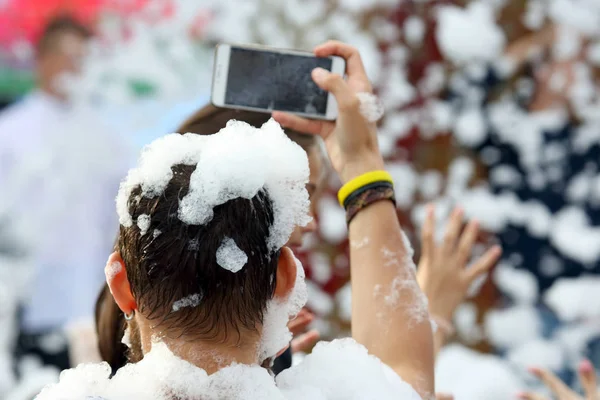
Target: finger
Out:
[484,263]
[443,396]
[354,65]
[299,324]
[304,342]
[427,233]
[299,124]
[530,396]
[587,377]
[344,96]
[452,231]
[465,244]
[553,382]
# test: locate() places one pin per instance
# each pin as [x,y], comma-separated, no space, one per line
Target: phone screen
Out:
[275,81]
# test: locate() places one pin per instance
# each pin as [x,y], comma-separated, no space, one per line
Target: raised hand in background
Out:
[443,273]
[587,377]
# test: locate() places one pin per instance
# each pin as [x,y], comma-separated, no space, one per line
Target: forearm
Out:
[389,313]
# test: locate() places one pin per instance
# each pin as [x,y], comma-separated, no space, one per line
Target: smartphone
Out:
[264,79]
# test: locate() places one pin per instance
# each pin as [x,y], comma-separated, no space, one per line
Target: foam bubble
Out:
[143,222]
[344,360]
[513,326]
[112,270]
[230,256]
[126,340]
[458,26]
[192,300]
[575,298]
[370,106]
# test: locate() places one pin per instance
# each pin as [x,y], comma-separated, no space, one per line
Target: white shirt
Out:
[59,174]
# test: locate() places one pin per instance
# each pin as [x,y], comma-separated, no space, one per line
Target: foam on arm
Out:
[389,311]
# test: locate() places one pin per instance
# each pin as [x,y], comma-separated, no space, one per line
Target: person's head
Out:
[176,244]
[59,50]
[110,322]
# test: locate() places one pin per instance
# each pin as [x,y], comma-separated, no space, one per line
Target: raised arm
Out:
[389,311]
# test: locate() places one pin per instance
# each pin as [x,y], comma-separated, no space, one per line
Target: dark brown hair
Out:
[55,28]
[180,263]
[170,257]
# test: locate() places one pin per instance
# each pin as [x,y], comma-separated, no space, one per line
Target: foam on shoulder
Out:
[343,360]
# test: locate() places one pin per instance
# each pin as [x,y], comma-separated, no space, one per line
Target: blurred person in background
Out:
[58,176]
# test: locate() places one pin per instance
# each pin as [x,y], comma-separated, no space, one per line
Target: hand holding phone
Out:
[351,140]
[264,79]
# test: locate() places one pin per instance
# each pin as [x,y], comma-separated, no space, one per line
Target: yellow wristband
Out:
[362,180]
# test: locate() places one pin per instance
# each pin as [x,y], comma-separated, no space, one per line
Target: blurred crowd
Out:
[491,105]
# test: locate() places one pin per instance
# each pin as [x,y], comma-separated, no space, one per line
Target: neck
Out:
[211,356]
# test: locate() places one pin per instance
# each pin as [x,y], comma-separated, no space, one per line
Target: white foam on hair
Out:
[112,269]
[156,233]
[192,300]
[143,222]
[237,162]
[275,334]
[230,256]
[371,107]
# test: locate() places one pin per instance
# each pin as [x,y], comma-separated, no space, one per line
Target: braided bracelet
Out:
[376,192]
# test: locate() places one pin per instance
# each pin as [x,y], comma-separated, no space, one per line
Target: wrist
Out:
[352,169]
[444,325]
[443,311]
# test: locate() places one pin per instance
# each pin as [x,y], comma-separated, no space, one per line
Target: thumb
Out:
[335,84]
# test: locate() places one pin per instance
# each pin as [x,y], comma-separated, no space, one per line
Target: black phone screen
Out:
[274,81]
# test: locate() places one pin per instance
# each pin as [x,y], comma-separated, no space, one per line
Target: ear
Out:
[286,274]
[116,277]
